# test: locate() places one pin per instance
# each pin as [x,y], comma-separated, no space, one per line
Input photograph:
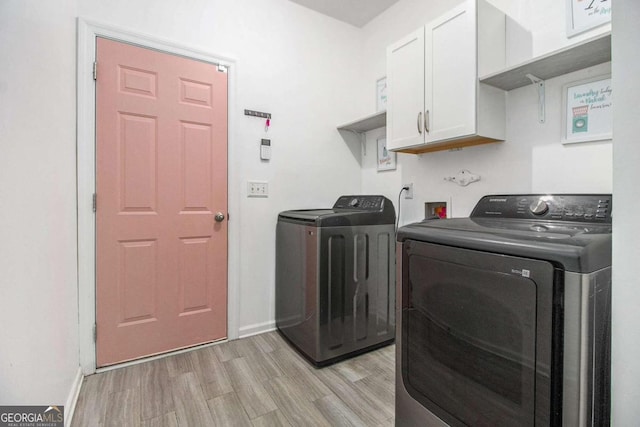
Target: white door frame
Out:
[88,31]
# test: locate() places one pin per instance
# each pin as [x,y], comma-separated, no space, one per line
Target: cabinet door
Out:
[405,91]
[450,75]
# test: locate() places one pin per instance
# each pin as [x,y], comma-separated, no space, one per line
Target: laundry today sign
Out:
[588,110]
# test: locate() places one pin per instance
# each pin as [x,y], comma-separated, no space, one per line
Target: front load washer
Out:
[335,278]
[504,317]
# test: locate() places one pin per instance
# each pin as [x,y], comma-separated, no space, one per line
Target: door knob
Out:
[219,217]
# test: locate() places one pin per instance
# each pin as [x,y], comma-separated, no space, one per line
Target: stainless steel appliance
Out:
[335,280]
[504,317]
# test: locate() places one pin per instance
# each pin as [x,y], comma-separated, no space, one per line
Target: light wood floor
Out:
[256,381]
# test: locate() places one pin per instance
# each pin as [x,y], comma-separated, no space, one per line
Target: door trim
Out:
[88,31]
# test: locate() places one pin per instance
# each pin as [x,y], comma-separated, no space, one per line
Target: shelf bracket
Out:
[541,101]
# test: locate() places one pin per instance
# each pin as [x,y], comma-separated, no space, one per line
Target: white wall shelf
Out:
[593,51]
[370,122]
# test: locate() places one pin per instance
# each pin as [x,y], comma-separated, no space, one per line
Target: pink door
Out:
[161,179]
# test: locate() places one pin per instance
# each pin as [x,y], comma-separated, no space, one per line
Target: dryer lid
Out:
[505,225]
[347,211]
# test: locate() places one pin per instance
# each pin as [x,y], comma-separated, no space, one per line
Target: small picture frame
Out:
[381,94]
[587,110]
[583,15]
[386,158]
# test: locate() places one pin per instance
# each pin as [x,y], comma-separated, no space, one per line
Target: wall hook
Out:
[463,178]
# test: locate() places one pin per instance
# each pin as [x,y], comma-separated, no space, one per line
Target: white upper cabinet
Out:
[405,109]
[435,101]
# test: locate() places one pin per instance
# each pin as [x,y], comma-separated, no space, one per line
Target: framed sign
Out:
[381,94]
[386,158]
[583,15]
[586,112]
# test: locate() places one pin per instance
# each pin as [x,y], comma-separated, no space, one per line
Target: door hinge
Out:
[95,70]
[222,68]
[94,202]
[95,332]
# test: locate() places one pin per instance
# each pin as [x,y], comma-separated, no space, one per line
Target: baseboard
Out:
[72,399]
[257,328]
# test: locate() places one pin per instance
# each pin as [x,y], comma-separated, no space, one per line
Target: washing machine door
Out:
[477,335]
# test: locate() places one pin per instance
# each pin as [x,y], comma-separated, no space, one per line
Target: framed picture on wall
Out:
[586,111]
[381,94]
[583,15]
[386,158]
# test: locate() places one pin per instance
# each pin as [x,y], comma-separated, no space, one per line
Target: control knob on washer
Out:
[354,203]
[539,207]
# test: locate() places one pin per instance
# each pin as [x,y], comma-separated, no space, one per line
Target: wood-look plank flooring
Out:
[256,381]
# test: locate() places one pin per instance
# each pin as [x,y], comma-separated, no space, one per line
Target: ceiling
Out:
[354,12]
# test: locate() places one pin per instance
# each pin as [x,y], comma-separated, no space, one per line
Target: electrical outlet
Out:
[408,194]
[257,189]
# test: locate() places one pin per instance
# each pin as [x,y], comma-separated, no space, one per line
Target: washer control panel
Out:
[560,207]
[368,203]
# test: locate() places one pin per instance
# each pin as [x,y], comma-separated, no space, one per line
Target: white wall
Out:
[546,19]
[626,250]
[38,276]
[530,160]
[297,65]
[294,63]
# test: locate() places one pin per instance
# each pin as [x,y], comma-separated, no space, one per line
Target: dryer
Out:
[504,317]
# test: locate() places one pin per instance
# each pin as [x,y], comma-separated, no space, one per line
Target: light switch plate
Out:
[257,189]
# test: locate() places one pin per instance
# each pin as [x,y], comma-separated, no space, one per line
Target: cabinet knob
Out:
[420,122]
